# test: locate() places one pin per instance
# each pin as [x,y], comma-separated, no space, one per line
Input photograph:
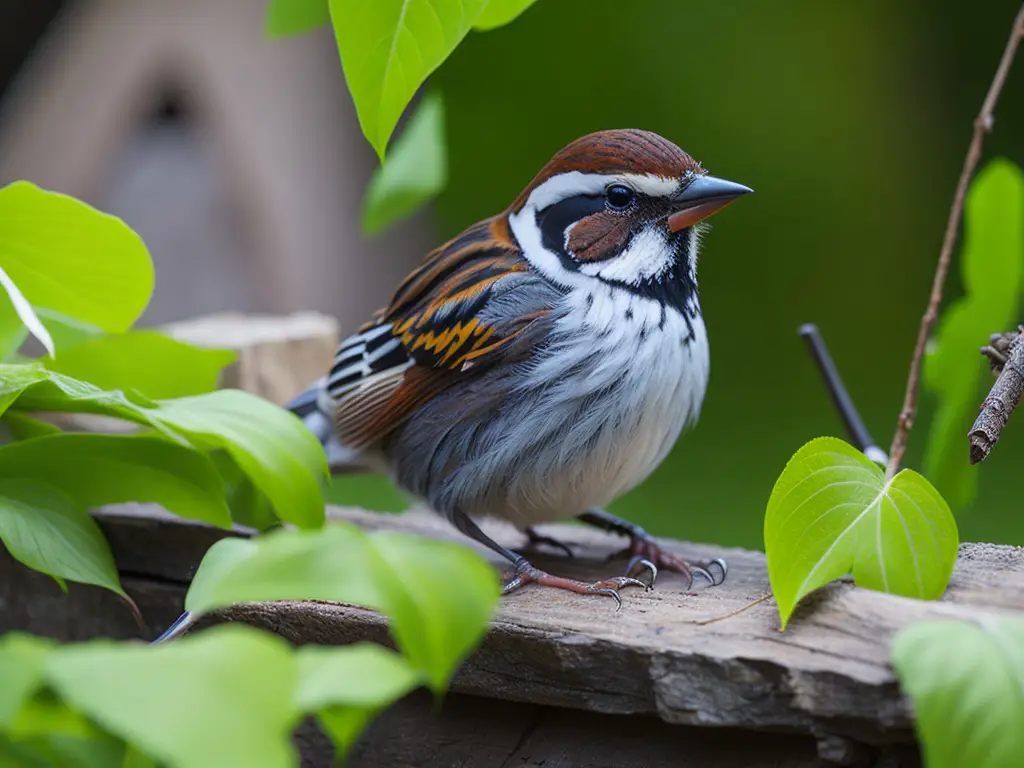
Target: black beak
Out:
[703,197]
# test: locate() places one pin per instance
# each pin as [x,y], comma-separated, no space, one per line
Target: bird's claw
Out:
[645,552]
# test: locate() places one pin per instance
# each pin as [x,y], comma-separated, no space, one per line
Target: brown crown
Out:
[618,151]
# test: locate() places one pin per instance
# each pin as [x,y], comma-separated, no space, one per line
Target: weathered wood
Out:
[278,356]
[827,677]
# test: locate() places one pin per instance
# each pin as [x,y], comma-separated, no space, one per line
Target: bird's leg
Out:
[538,539]
[523,573]
[644,551]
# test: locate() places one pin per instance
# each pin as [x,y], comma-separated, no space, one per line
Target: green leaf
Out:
[67,256]
[12,332]
[66,331]
[247,504]
[48,531]
[416,171]
[21,671]
[435,625]
[25,312]
[224,697]
[832,513]
[332,564]
[282,458]
[157,366]
[966,682]
[24,427]
[992,265]
[408,578]
[501,12]
[389,47]
[95,470]
[294,17]
[359,675]
[347,686]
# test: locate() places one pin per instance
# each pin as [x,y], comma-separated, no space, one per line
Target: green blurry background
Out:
[849,119]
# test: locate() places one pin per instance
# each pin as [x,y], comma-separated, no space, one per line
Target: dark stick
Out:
[855,427]
[982,125]
[1007,356]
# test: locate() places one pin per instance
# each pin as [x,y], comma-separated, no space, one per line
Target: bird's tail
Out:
[313,407]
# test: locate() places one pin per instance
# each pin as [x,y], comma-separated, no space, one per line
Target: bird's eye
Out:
[619,196]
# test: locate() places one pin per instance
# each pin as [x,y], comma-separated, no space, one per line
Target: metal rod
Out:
[855,427]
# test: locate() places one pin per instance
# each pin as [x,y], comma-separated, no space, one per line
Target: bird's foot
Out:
[645,553]
[537,539]
[527,574]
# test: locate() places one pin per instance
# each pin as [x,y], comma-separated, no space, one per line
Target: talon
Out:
[536,539]
[723,567]
[643,561]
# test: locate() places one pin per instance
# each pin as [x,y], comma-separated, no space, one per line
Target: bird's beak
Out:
[703,197]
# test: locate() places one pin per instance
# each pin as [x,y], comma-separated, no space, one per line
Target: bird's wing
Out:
[457,314]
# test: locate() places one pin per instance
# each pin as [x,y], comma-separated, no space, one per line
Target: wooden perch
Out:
[560,671]
[1006,352]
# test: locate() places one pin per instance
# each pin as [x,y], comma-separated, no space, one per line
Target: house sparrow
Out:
[543,362]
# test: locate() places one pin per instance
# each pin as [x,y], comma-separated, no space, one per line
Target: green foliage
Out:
[293,17]
[501,12]
[155,365]
[48,531]
[406,577]
[66,256]
[832,512]
[232,695]
[992,266]
[416,171]
[388,47]
[966,682]
[83,277]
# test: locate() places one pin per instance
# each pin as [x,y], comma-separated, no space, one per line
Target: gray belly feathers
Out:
[587,416]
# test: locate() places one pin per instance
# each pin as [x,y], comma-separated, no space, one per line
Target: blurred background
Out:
[240,162]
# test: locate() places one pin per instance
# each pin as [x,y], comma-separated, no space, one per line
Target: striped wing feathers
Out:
[435,330]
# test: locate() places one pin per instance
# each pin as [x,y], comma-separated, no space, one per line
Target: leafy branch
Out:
[982,125]
[833,511]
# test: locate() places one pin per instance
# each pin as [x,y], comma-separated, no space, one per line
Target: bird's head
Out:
[622,207]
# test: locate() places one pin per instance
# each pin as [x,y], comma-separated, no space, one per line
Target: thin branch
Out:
[855,427]
[1007,355]
[982,125]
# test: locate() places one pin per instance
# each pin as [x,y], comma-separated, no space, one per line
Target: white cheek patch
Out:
[648,256]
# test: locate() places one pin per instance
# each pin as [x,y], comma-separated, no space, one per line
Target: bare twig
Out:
[855,427]
[982,125]
[1007,355]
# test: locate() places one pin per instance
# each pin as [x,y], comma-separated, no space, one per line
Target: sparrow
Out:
[544,361]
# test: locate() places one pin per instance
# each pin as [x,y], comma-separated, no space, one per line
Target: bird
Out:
[543,362]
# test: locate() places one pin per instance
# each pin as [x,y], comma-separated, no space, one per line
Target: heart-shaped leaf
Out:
[67,256]
[223,698]
[966,682]
[294,17]
[46,530]
[832,512]
[389,47]
[149,362]
[500,12]
[416,171]
[94,470]
[992,267]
